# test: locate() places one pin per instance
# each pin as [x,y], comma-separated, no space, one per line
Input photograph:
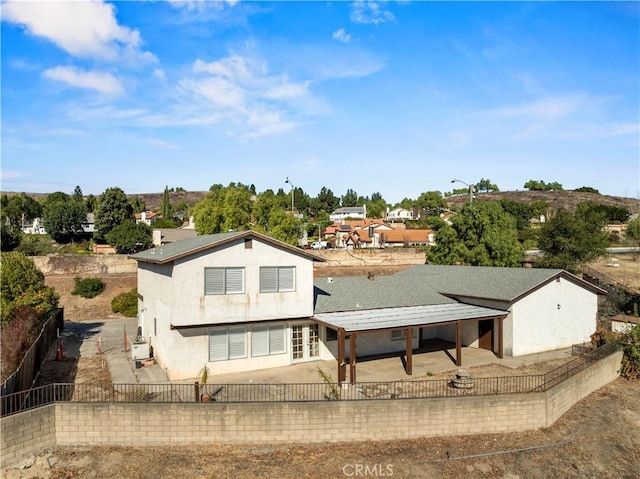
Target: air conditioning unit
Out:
[140,350]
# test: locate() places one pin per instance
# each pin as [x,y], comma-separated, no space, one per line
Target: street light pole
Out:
[287,181]
[470,189]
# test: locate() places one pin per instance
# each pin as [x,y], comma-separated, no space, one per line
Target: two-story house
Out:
[233,301]
[353,212]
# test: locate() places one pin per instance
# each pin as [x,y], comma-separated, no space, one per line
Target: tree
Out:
[63,216]
[568,240]
[587,189]
[138,205]
[542,186]
[285,227]
[633,231]
[130,237]
[90,203]
[166,204]
[77,194]
[521,212]
[480,235]
[486,185]
[430,203]
[349,199]
[112,210]
[325,201]
[22,284]
[224,209]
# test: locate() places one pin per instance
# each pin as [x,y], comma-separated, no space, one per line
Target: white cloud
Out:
[370,12]
[546,109]
[243,91]
[341,35]
[102,82]
[159,74]
[8,174]
[83,29]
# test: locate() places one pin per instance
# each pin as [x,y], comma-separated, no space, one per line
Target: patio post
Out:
[409,351]
[341,364]
[500,337]
[458,343]
[352,358]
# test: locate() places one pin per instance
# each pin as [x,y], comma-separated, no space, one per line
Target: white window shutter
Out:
[286,278]
[260,340]
[237,342]
[268,279]
[277,338]
[234,280]
[214,280]
[218,345]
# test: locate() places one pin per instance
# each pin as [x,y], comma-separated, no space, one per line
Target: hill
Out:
[556,199]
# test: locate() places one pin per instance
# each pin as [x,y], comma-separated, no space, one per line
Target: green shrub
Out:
[88,287]
[126,303]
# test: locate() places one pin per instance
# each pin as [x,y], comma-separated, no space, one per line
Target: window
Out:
[223,280]
[332,334]
[399,334]
[227,343]
[277,278]
[268,339]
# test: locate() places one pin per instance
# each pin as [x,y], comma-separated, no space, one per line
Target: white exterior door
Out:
[305,342]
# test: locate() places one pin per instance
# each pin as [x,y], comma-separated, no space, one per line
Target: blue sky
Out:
[393,97]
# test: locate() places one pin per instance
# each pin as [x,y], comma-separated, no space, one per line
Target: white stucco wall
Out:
[173,295]
[556,316]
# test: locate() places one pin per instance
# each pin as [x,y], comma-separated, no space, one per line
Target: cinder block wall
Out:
[27,433]
[148,424]
[562,397]
[84,264]
[374,257]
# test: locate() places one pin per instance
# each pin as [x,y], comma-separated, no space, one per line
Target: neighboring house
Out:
[164,236]
[89,223]
[340,231]
[243,301]
[234,301]
[399,214]
[623,323]
[349,212]
[33,226]
[147,217]
[405,238]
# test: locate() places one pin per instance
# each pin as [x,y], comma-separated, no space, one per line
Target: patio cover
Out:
[388,319]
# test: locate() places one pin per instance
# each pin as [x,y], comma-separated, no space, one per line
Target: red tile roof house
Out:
[147,217]
[243,301]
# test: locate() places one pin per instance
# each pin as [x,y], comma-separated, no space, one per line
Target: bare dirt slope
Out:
[77,308]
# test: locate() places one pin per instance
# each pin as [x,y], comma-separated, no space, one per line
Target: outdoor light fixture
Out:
[455,180]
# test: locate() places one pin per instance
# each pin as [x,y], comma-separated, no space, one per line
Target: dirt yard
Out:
[622,268]
[597,438]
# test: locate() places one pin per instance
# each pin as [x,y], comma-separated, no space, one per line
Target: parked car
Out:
[319,245]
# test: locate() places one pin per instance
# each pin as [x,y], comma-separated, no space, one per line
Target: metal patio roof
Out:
[396,318]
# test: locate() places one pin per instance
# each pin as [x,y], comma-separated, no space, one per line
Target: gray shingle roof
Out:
[423,285]
[186,247]
[504,284]
[351,293]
